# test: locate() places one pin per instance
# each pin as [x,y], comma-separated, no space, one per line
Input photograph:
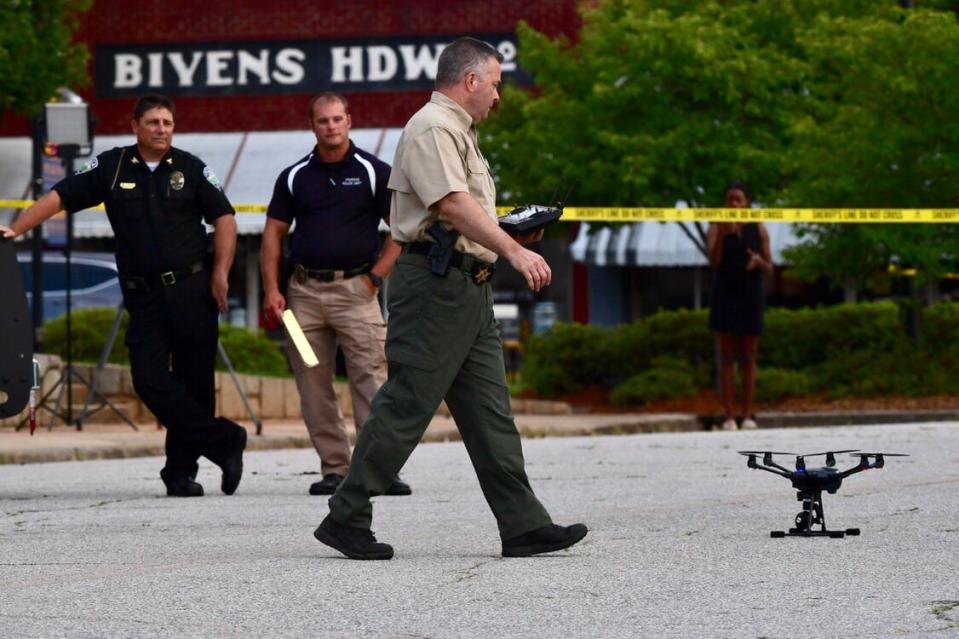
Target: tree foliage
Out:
[817,103]
[37,54]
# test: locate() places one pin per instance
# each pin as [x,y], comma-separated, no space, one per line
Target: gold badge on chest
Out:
[177,180]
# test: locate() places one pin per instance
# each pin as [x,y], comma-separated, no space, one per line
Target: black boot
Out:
[326,486]
[399,487]
[228,454]
[546,539]
[355,543]
[180,486]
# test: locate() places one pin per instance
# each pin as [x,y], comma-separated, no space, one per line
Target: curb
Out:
[546,426]
[799,420]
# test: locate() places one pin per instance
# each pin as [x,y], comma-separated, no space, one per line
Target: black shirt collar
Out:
[137,160]
[334,165]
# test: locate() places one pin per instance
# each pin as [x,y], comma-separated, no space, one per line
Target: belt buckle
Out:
[168,278]
[299,273]
[482,274]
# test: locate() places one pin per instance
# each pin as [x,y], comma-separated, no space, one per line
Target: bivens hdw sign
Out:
[281,66]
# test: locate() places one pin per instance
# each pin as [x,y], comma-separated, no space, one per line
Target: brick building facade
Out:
[208,36]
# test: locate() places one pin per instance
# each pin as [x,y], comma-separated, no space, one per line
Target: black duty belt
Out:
[301,273]
[149,282]
[479,270]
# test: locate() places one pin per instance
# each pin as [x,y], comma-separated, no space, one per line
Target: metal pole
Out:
[68,160]
[36,236]
[69,153]
[239,387]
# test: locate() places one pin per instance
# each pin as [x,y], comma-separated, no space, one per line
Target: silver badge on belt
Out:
[177,180]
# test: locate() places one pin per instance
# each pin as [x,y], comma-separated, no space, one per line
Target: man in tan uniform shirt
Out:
[442,341]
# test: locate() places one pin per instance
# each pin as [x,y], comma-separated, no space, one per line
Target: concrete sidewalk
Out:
[112,441]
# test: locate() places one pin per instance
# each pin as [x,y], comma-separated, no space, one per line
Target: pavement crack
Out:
[946,612]
[472,571]
[17,513]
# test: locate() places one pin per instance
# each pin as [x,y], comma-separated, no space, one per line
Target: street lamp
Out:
[67,126]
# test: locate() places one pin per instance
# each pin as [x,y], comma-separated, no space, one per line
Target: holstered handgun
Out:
[442,249]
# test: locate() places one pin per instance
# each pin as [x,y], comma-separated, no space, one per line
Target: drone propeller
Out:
[767,456]
[879,454]
[831,455]
[762,452]
[832,452]
[880,458]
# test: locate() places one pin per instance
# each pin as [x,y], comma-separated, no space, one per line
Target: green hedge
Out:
[89,328]
[668,378]
[250,353]
[841,351]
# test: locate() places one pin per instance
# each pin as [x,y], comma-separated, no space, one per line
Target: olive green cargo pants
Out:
[441,343]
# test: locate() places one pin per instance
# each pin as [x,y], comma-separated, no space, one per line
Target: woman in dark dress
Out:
[740,254]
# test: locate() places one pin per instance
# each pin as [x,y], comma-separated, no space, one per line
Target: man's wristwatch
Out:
[376,279]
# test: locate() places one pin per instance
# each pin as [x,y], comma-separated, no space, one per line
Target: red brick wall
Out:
[183,21]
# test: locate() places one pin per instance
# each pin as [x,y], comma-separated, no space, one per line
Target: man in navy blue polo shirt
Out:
[337,196]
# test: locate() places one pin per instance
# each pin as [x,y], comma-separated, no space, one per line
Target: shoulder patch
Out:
[88,166]
[212,178]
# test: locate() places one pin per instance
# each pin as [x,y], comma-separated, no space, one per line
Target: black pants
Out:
[172,337]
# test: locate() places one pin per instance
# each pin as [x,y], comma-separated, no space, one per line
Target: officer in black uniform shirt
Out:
[157,198]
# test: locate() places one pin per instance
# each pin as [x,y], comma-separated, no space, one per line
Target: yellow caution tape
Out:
[892,269]
[250,208]
[819,216]
[643,214]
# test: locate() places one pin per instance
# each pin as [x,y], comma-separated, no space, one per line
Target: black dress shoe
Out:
[355,543]
[178,485]
[231,462]
[183,488]
[546,539]
[327,486]
[399,488]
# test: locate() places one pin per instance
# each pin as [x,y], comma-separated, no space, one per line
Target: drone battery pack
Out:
[528,219]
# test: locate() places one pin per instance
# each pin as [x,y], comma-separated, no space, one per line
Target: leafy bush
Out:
[902,371]
[567,357]
[799,339]
[681,334]
[673,379]
[774,384]
[252,353]
[846,350]
[89,327]
[939,324]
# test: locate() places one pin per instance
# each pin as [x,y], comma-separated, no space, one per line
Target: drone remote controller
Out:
[530,218]
[527,219]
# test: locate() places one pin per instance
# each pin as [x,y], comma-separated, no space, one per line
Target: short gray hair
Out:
[462,56]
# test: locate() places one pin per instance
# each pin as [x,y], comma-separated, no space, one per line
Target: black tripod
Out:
[95,394]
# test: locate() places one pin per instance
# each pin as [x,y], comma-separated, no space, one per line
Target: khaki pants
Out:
[442,343]
[329,312]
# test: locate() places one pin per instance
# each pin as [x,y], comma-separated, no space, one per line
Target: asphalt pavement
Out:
[679,546]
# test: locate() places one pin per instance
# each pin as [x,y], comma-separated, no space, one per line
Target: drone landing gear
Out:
[811,515]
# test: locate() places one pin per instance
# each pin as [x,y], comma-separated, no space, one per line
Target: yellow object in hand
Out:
[299,339]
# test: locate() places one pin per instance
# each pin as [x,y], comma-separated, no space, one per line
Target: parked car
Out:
[93,275]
